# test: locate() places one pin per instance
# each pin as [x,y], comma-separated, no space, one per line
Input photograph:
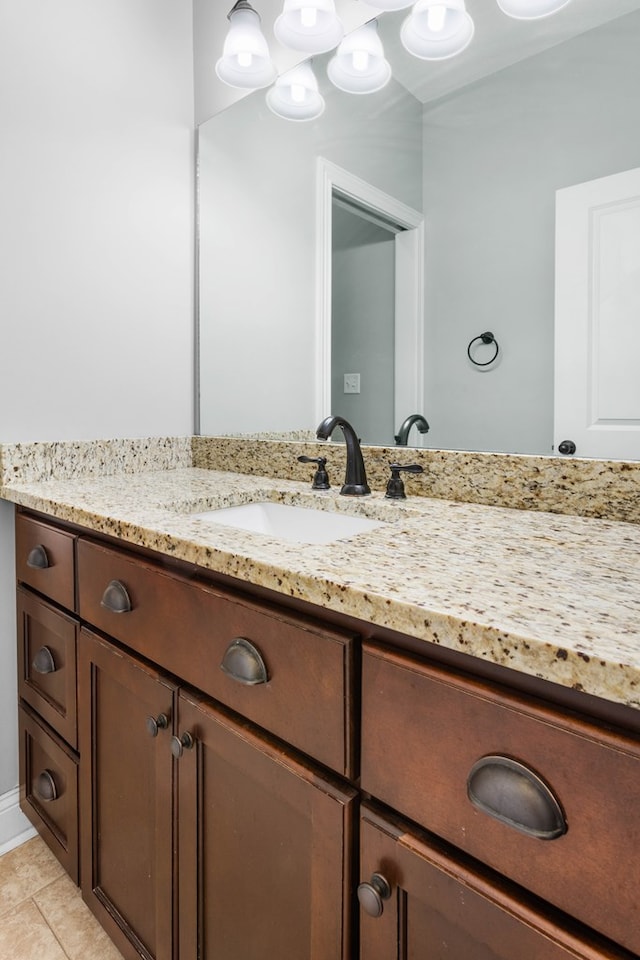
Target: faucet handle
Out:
[321,477]
[395,485]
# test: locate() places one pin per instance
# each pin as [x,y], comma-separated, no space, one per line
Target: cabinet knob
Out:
[243,662]
[371,895]
[43,661]
[154,724]
[510,792]
[38,558]
[45,788]
[180,744]
[116,598]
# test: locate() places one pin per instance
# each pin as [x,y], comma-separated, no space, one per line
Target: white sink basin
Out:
[285,522]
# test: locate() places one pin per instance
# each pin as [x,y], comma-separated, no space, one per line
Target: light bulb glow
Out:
[298,93]
[295,95]
[436,17]
[245,60]
[359,64]
[360,60]
[309,16]
[311,26]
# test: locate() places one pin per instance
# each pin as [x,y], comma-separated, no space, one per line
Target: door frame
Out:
[409,293]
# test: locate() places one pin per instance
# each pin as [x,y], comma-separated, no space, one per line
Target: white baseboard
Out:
[14,826]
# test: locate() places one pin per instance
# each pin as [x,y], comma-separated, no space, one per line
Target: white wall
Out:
[96,246]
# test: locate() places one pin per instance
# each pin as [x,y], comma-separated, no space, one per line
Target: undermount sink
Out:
[287,522]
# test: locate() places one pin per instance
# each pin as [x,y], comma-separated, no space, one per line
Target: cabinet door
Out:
[417,903]
[264,846]
[125,711]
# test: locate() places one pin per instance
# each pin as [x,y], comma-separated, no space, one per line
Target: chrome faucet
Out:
[355,481]
[402,436]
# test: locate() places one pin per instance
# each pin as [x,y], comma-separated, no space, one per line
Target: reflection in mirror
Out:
[482,159]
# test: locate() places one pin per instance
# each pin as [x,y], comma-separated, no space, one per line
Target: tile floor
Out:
[42,915]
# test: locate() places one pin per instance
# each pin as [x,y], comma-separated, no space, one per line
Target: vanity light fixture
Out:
[245,60]
[295,94]
[437,29]
[390,5]
[531,9]
[312,26]
[359,65]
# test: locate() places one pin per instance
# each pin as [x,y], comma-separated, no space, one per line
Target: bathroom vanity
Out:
[236,756]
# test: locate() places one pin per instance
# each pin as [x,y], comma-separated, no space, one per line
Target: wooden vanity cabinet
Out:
[47,640]
[257,837]
[226,743]
[264,846]
[542,796]
[126,711]
[422,902]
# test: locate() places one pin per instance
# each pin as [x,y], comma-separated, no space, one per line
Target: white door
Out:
[597,317]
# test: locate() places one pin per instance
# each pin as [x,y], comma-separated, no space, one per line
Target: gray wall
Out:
[258,244]
[362,328]
[494,155]
[96,188]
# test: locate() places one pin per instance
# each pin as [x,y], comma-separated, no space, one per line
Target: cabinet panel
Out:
[47,663]
[444,909]
[49,789]
[264,847]
[425,730]
[307,697]
[126,798]
[45,559]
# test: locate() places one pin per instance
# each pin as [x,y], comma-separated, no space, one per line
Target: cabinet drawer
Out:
[49,789]
[474,764]
[291,676]
[44,559]
[47,663]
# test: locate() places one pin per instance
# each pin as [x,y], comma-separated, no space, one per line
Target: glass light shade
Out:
[390,5]
[531,9]
[245,60]
[437,29]
[311,26]
[295,95]
[359,65]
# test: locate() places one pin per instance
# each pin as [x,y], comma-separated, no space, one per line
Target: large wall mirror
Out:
[474,152]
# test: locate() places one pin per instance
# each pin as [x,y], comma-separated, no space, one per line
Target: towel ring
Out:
[485,338]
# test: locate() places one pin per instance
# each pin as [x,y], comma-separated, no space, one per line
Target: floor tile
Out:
[24,871]
[73,923]
[24,935]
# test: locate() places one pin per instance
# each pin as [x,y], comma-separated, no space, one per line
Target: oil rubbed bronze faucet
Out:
[355,481]
[402,436]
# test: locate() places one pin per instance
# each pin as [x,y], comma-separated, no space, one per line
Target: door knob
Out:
[180,744]
[154,724]
[371,895]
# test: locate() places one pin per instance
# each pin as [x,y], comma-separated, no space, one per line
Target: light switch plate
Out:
[352,383]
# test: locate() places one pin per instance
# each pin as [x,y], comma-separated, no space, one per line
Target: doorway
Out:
[388,231]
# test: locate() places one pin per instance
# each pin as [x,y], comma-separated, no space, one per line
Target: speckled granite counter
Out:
[553,596]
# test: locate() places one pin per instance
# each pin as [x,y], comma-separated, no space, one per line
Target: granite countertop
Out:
[557,597]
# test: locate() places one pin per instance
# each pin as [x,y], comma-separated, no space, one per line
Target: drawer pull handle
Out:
[38,558]
[115,598]
[371,895]
[43,661]
[180,744]
[45,788]
[243,663]
[155,724]
[513,794]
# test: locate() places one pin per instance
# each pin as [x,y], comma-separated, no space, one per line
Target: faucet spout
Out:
[355,481]
[402,436]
